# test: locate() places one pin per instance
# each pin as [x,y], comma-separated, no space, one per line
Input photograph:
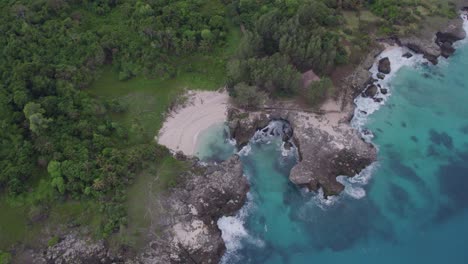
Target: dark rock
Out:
[371,91]
[431,49]
[384,65]
[384,91]
[452,33]
[367,132]
[288,145]
[447,49]
[381,76]
[407,55]
[378,100]
[243,126]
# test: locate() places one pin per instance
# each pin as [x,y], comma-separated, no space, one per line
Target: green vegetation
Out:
[284,39]
[53,241]
[318,91]
[248,96]
[5,257]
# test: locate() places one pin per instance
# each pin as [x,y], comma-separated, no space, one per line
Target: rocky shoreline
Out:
[327,148]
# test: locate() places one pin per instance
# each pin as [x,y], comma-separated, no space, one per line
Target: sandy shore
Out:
[182,127]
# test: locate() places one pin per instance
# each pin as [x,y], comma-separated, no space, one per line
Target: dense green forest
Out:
[51,126]
[58,142]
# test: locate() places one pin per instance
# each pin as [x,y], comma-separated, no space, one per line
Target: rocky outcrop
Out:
[191,212]
[384,66]
[371,91]
[445,38]
[328,153]
[78,250]
[242,126]
[326,150]
[432,46]
[407,55]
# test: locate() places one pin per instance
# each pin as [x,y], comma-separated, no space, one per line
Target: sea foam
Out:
[234,233]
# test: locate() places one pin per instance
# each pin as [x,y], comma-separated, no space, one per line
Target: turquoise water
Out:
[416,205]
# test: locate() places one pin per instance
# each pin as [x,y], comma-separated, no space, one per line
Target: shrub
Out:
[318,91]
[248,96]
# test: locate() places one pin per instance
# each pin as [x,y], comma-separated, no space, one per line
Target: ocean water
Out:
[409,207]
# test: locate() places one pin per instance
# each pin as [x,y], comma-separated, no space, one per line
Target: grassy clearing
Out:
[32,223]
[142,204]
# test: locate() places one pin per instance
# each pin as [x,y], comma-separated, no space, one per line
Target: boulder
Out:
[384,65]
[383,91]
[381,76]
[371,91]
[407,55]
[447,49]
[243,126]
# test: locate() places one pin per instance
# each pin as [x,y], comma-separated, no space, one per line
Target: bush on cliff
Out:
[248,97]
[318,91]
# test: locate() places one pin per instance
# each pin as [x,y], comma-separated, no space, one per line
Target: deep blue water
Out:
[415,208]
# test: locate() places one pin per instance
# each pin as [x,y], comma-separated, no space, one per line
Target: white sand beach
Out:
[182,127]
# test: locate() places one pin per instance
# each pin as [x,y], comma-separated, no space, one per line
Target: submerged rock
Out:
[407,55]
[381,76]
[384,66]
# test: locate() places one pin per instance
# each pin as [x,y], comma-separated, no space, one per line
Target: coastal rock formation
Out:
[191,211]
[384,66]
[242,128]
[73,248]
[371,91]
[407,55]
[432,46]
[328,147]
[328,152]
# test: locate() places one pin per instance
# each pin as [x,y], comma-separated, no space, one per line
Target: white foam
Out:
[245,151]
[234,233]
[367,106]
[322,202]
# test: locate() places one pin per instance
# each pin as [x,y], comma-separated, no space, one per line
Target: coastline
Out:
[399,56]
[182,127]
